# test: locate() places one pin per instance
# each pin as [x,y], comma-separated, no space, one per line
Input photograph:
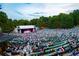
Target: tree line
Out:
[58,21]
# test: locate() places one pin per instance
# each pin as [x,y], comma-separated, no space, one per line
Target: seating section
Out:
[44,42]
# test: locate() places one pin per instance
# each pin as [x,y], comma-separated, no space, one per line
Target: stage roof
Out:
[26,26]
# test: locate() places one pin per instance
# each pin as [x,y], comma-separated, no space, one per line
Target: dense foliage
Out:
[59,21]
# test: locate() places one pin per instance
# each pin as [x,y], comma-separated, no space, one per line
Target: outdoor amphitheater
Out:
[45,42]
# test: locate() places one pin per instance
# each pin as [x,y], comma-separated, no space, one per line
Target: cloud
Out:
[35,10]
[18,12]
[44,10]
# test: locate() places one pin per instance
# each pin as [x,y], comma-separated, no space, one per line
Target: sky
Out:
[35,10]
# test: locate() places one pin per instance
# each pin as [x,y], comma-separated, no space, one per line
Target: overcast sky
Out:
[35,10]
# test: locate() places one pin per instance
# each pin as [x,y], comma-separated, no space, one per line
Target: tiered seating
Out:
[46,41]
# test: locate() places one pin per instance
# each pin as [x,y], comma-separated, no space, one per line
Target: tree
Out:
[66,20]
[22,22]
[75,15]
[34,22]
[43,22]
[59,21]
[5,23]
[3,18]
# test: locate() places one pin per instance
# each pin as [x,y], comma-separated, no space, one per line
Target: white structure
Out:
[25,28]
